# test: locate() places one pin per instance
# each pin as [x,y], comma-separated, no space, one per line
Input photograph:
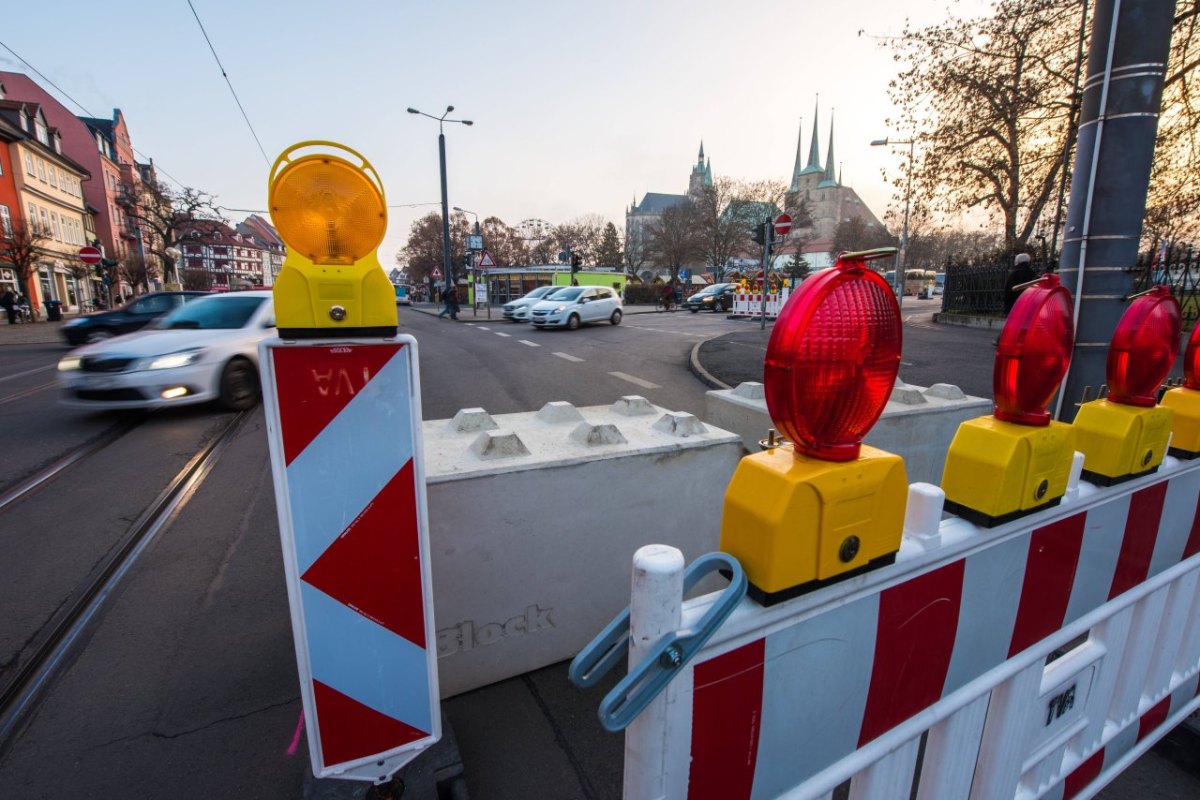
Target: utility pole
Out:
[1118,121]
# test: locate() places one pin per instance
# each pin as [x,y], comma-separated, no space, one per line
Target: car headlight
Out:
[706,300]
[172,360]
[558,310]
[68,363]
[75,323]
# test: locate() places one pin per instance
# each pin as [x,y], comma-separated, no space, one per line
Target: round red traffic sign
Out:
[89,255]
[783,224]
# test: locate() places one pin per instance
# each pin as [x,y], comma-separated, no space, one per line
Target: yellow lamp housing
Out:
[998,471]
[1185,427]
[328,206]
[1120,442]
[797,523]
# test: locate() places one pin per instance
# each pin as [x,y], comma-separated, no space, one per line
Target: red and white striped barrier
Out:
[343,422]
[750,304]
[952,641]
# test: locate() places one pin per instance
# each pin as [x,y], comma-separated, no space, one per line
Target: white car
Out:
[518,310]
[575,305]
[205,350]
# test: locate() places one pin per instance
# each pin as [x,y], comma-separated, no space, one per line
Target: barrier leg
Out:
[654,611]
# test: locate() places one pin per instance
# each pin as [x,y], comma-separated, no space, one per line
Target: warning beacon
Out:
[1017,460]
[327,204]
[826,507]
[1125,434]
[1185,402]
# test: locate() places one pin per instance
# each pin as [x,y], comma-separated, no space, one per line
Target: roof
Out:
[655,202]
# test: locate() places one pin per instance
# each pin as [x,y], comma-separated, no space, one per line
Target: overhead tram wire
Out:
[82,107]
[229,83]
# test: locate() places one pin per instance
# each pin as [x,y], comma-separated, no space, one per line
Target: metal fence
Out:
[977,286]
[1177,268]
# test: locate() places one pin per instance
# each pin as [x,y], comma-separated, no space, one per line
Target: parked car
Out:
[718,297]
[134,315]
[205,350]
[518,310]
[574,305]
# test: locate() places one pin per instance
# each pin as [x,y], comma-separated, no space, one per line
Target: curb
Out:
[697,369]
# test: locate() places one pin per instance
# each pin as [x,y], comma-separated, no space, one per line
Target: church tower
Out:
[701,176]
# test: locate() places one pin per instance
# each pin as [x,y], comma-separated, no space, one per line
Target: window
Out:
[29,165]
[41,170]
[56,226]
[5,221]
[53,177]
[47,230]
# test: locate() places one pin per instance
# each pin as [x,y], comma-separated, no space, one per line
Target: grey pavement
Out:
[32,332]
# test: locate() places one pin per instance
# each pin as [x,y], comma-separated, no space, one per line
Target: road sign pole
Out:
[768,230]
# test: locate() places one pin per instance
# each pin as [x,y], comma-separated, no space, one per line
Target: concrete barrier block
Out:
[751,390]
[945,391]
[632,405]
[559,411]
[530,552]
[498,444]
[591,435]
[468,420]
[907,395]
[679,424]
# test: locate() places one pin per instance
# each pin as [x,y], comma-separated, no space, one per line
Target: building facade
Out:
[217,256]
[48,188]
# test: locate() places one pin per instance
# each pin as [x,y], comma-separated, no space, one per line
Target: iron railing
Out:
[1177,268]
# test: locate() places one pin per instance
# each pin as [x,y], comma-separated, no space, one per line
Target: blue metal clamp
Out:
[643,683]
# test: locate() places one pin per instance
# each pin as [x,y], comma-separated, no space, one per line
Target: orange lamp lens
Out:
[328,210]
[832,360]
[1143,348]
[1033,353]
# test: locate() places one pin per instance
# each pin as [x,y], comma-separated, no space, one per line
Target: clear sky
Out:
[578,108]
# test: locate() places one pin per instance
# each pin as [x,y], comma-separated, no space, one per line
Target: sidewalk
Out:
[33,332]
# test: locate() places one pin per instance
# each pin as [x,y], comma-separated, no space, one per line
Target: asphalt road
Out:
[185,684]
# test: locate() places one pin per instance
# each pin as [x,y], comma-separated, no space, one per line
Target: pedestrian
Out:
[1020,273]
[449,303]
[8,301]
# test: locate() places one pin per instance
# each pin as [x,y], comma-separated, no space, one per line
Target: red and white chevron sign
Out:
[343,422]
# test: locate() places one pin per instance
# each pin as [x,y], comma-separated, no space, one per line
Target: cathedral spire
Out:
[829,179]
[701,159]
[814,149]
[708,172]
[796,170]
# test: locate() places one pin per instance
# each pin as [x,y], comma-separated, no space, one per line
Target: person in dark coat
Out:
[8,301]
[1020,273]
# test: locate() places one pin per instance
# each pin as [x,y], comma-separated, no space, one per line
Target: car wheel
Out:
[239,385]
[98,335]
[573,322]
[694,310]
[615,319]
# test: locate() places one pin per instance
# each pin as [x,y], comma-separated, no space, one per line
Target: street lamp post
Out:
[472,276]
[446,266]
[902,256]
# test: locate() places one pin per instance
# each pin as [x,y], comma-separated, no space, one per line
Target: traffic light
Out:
[763,232]
[576,263]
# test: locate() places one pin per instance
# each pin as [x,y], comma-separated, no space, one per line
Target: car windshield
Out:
[570,293]
[714,289]
[213,313]
[541,291]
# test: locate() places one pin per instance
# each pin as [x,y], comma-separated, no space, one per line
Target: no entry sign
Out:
[783,224]
[89,255]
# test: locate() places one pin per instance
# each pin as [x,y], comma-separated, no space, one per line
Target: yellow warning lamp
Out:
[327,204]
[1125,434]
[1017,460]
[1185,402]
[828,507]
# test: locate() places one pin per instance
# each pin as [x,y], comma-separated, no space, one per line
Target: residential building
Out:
[10,203]
[103,148]
[217,256]
[49,193]
[273,250]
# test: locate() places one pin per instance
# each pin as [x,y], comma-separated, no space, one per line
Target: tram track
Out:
[19,694]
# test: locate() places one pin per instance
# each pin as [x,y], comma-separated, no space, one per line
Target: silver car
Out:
[518,310]
[576,305]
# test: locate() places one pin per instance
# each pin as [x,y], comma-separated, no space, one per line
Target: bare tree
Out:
[165,215]
[504,243]
[672,241]
[21,250]
[422,253]
[636,254]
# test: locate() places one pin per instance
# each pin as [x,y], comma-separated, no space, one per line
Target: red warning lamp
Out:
[1191,361]
[832,360]
[1033,353]
[1143,348]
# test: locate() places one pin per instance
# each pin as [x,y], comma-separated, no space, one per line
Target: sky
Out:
[577,108]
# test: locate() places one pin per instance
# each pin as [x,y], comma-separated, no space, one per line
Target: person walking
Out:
[451,304]
[8,301]
[1020,273]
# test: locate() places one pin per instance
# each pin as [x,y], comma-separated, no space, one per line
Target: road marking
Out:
[635,381]
[569,357]
[502,333]
[481,327]
[528,343]
[471,324]
[26,372]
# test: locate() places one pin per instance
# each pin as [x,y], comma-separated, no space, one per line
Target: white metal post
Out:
[654,611]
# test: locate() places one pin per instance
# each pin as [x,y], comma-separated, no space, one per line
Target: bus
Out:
[403,295]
